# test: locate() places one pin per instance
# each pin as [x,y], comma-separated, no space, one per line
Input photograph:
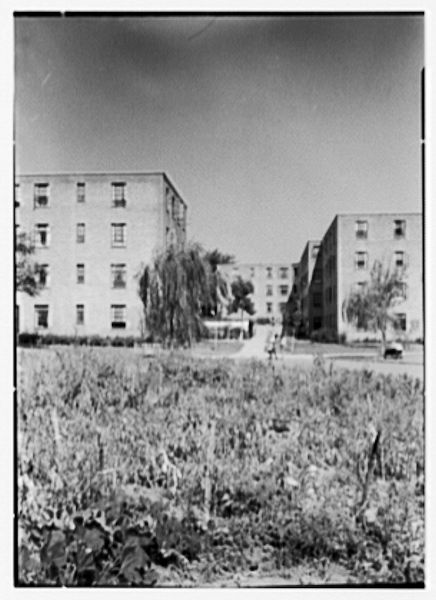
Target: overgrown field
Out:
[178,471]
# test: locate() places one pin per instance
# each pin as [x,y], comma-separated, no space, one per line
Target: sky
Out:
[267,126]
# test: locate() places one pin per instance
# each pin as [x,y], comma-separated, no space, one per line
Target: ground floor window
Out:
[80,314]
[41,316]
[118,316]
[401,321]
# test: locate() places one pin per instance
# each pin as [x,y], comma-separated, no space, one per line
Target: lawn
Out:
[180,471]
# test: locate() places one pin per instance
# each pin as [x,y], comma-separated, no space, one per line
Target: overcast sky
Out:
[268,127]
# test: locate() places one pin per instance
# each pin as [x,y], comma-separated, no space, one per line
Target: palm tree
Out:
[219,293]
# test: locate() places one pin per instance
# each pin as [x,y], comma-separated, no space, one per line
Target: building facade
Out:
[272,284]
[93,235]
[351,245]
[309,286]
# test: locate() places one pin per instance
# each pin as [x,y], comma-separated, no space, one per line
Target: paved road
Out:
[411,364]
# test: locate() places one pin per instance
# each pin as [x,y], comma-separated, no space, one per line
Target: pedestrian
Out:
[271,347]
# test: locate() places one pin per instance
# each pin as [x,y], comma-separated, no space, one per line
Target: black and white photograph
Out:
[219,326]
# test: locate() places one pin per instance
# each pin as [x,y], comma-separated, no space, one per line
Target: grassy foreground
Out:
[182,471]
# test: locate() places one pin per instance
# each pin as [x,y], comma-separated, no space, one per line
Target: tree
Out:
[371,308]
[173,290]
[241,291]
[218,287]
[27,271]
[292,315]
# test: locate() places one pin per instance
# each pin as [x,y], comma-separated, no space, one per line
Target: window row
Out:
[361,260]
[118,274]
[269,307]
[283,272]
[117,316]
[283,290]
[118,234]
[399,229]
[41,197]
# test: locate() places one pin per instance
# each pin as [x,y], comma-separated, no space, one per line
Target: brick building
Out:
[93,233]
[272,284]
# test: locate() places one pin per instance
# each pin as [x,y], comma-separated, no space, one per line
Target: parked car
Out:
[393,350]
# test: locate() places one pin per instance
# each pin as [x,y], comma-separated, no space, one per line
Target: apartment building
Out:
[309,286]
[351,245]
[272,284]
[93,234]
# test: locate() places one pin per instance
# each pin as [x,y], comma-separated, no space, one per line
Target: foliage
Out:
[182,471]
[371,307]
[327,336]
[173,290]
[241,291]
[218,287]
[35,339]
[292,315]
[27,271]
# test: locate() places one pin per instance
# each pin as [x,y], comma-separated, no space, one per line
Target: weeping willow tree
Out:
[371,308]
[174,289]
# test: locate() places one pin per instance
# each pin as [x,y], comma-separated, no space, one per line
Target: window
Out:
[269,307]
[80,314]
[401,321]
[252,272]
[269,272]
[119,195]
[80,193]
[17,195]
[118,275]
[315,250]
[282,307]
[269,290]
[317,300]
[43,275]
[168,200]
[118,316]
[361,229]
[361,260]
[399,228]
[80,233]
[41,316]
[42,235]
[284,290]
[283,272]
[40,198]
[399,259]
[80,272]
[118,235]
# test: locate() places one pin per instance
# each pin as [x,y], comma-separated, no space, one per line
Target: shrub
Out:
[28,339]
[324,336]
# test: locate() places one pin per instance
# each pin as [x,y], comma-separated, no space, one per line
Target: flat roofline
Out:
[88,173]
[108,174]
[377,214]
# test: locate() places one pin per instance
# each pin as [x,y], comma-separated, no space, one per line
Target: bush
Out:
[50,339]
[324,336]
[28,339]
[263,321]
